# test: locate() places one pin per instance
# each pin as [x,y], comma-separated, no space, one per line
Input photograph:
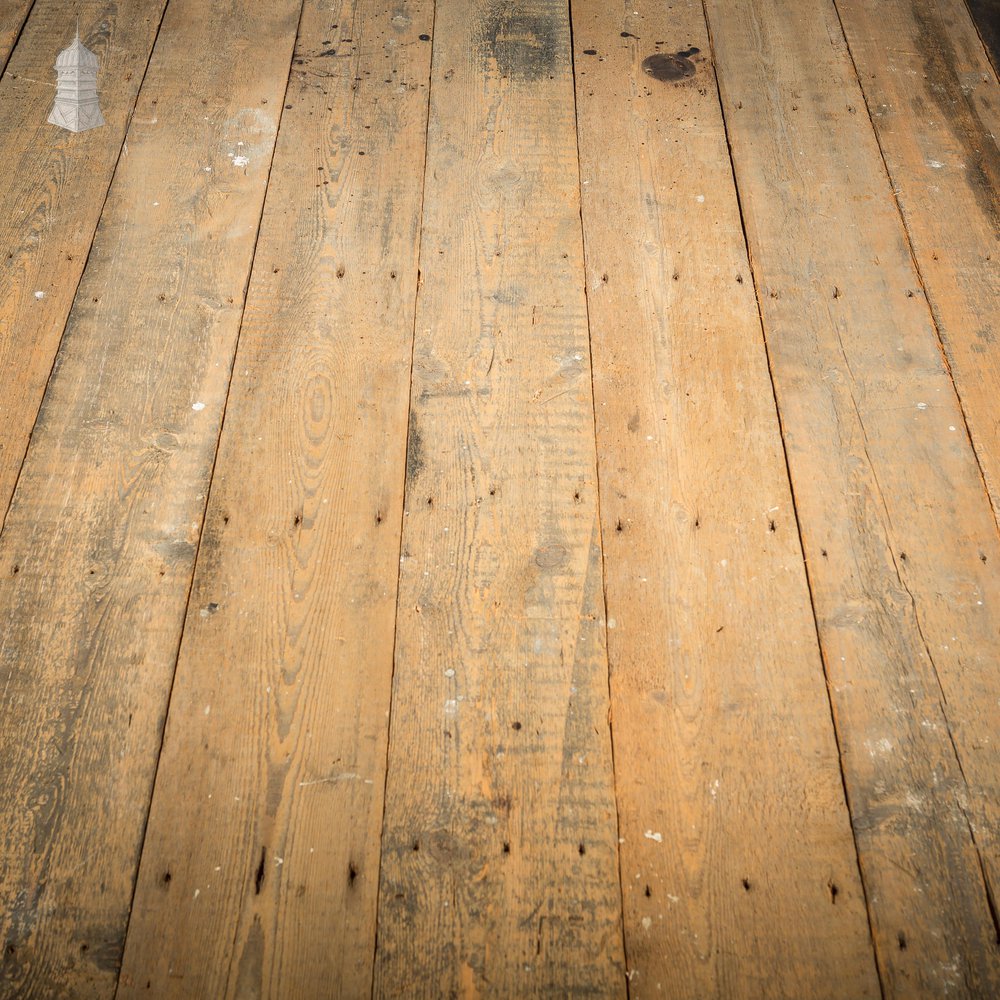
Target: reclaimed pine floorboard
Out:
[267,811]
[597,463]
[500,839]
[104,525]
[935,103]
[899,536]
[738,863]
[52,191]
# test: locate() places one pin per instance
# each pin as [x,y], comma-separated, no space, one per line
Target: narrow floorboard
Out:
[501,500]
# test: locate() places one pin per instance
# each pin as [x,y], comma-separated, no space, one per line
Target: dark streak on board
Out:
[523,43]
[414,451]
[958,109]
[986,14]
[670,68]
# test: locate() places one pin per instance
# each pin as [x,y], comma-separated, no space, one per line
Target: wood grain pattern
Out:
[52,189]
[13,14]
[900,539]
[499,860]
[935,103]
[103,528]
[267,812]
[740,877]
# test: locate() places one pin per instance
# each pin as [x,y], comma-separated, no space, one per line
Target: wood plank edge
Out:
[598,495]
[6,57]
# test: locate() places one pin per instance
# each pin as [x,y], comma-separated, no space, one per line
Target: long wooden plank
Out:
[99,544]
[268,804]
[499,860]
[13,14]
[52,189]
[899,535]
[740,872]
[935,102]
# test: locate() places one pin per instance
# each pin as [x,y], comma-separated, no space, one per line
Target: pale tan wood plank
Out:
[98,548]
[935,103]
[499,861]
[52,189]
[268,805]
[899,535]
[740,876]
[13,14]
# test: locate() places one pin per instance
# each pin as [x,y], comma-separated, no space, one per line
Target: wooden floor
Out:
[501,500]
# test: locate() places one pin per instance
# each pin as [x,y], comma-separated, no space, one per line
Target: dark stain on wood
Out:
[414,450]
[958,109]
[986,14]
[522,41]
[670,68]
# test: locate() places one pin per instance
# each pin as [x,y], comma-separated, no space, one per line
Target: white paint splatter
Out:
[39,295]
[936,164]
[649,835]
[881,746]
[198,407]
[240,161]
[344,776]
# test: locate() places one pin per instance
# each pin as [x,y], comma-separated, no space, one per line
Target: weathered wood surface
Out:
[267,813]
[100,540]
[52,190]
[499,858]
[13,14]
[935,103]
[740,876]
[898,532]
